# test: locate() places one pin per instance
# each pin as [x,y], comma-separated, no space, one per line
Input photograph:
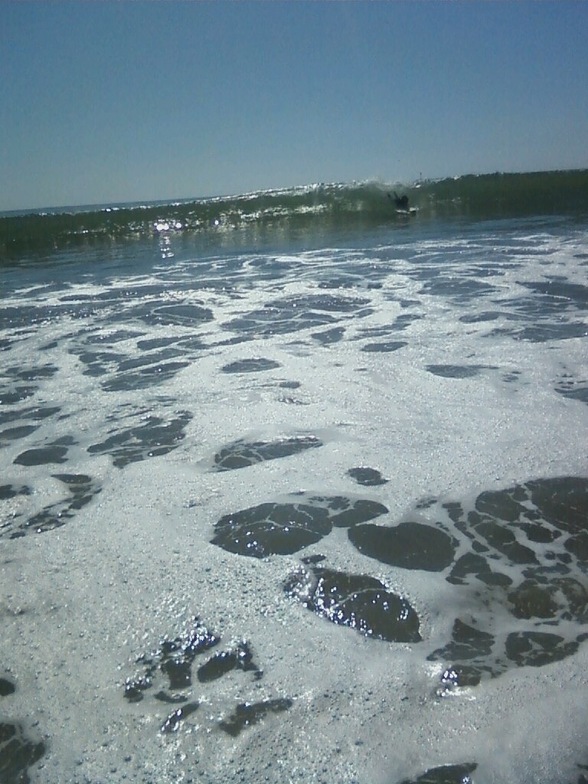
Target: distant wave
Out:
[322,205]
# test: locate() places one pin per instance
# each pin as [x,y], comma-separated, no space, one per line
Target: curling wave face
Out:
[318,207]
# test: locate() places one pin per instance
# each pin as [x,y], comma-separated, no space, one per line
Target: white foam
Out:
[82,602]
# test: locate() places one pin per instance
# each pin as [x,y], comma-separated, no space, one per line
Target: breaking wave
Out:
[319,206]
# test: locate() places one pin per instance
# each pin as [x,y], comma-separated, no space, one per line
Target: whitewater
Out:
[294,488]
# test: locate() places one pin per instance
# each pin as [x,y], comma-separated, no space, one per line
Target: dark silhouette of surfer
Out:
[400,202]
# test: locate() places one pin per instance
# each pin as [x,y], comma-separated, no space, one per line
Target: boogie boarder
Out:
[401,202]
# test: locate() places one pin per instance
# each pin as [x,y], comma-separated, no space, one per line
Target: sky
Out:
[105,101]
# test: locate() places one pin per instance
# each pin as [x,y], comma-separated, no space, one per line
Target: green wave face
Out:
[318,207]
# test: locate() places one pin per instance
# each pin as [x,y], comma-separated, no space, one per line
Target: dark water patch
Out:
[358,602]
[407,545]
[110,338]
[381,348]
[575,390]
[348,282]
[329,336]
[272,528]
[458,676]
[446,774]
[274,321]
[81,490]
[528,309]
[458,371]
[193,344]
[187,315]
[541,333]
[14,317]
[467,642]
[241,454]
[99,363]
[557,290]
[535,532]
[289,399]
[152,438]
[403,321]
[34,413]
[425,503]
[146,377]
[471,651]
[501,539]
[7,687]
[173,658]
[536,649]
[247,714]
[545,314]
[31,374]
[179,672]
[235,340]
[476,654]
[11,491]
[291,314]
[373,332]
[28,318]
[150,344]
[541,526]
[559,505]
[369,477]
[511,377]
[240,658]
[505,504]
[400,323]
[333,304]
[474,565]
[476,318]
[152,368]
[531,599]
[153,358]
[119,297]
[135,687]
[347,512]
[17,753]
[313,559]
[460,290]
[52,453]
[563,501]
[175,719]
[169,699]
[283,528]
[292,401]
[527,555]
[10,394]
[16,433]
[253,365]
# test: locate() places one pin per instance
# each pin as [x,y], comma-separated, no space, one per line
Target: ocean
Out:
[294,487]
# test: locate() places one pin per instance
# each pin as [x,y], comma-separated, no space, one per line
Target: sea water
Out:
[295,489]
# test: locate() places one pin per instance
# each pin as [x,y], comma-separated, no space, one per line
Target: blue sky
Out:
[124,101]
